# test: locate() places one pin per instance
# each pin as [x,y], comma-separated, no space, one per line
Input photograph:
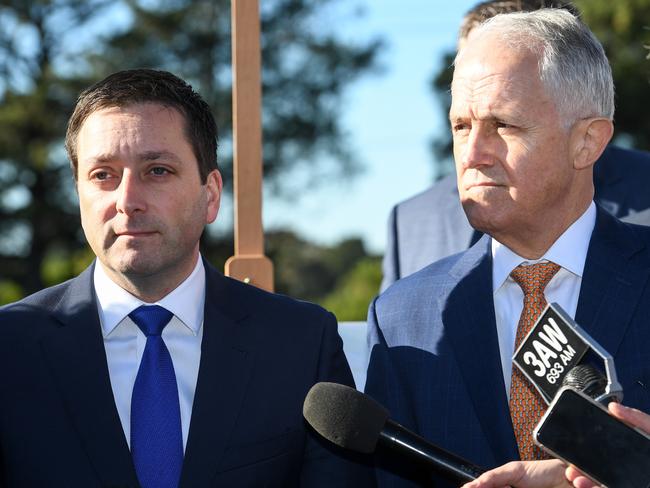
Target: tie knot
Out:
[151,319]
[533,278]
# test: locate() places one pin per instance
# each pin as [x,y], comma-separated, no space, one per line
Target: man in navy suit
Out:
[432,225]
[532,108]
[151,368]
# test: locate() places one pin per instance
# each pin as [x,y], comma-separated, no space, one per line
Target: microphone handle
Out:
[454,467]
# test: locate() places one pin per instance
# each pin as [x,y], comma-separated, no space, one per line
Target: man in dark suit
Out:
[151,368]
[532,108]
[432,225]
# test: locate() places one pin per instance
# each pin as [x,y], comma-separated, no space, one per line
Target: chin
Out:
[136,264]
[483,218]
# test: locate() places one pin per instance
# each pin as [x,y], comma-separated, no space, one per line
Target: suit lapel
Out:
[612,282]
[470,323]
[225,368]
[75,353]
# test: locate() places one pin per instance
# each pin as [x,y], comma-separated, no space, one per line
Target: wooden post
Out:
[249,264]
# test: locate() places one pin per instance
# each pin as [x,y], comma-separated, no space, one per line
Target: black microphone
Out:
[355,421]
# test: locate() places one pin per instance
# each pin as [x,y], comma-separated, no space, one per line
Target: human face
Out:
[143,207]
[512,149]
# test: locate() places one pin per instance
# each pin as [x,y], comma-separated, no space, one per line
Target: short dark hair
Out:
[488,9]
[135,86]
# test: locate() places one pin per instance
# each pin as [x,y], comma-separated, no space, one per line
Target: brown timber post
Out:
[249,264]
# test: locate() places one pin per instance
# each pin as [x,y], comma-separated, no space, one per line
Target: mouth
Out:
[135,233]
[483,184]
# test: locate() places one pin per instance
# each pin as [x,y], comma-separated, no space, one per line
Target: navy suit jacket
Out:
[435,360]
[260,354]
[433,225]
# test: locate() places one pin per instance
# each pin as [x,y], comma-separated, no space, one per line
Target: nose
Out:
[130,194]
[476,150]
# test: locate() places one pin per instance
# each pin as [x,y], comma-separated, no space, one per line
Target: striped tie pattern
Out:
[526,404]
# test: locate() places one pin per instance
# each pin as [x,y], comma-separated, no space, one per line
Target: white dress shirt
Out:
[569,251]
[124,341]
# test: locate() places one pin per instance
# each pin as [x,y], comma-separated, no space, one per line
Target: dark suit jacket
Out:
[435,360]
[432,224]
[260,355]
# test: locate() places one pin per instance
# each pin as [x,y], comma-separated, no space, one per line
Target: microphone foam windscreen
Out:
[345,416]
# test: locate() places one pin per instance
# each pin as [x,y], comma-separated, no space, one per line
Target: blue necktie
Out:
[156,436]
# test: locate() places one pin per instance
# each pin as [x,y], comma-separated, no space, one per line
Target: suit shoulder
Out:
[640,230]
[433,275]
[638,159]
[28,317]
[441,190]
[275,305]
[44,300]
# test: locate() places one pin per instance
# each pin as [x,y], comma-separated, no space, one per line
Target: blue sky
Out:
[390,117]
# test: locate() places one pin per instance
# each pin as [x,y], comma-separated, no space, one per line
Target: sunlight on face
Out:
[143,207]
[512,154]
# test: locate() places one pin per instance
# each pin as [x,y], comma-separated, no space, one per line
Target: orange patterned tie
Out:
[526,404]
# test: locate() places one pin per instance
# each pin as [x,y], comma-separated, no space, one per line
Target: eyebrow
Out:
[494,116]
[145,156]
[156,155]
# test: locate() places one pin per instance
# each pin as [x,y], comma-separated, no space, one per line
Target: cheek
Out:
[95,210]
[86,211]
[187,212]
[457,150]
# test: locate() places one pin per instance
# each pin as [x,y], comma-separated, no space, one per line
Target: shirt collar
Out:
[186,301]
[569,250]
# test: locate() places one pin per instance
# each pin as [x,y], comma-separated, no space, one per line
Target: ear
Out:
[588,140]
[214,187]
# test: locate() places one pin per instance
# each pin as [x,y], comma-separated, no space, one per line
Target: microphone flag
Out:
[550,350]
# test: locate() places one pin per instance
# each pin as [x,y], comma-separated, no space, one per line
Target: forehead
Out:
[131,120]
[109,131]
[490,75]
[148,113]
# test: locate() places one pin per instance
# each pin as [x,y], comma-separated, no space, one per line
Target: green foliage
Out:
[623,27]
[51,49]
[306,270]
[60,264]
[342,278]
[305,69]
[350,300]
[10,291]
[441,144]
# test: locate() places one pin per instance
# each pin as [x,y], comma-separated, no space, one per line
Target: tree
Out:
[342,278]
[350,299]
[310,271]
[305,69]
[622,27]
[51,49]
[441,144]
[38,217]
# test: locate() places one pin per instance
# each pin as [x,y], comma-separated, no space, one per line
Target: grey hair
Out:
[572,62]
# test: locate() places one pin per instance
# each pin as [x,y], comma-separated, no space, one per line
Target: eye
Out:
[160,171]
[504,125]
[460,127]
[100,175]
